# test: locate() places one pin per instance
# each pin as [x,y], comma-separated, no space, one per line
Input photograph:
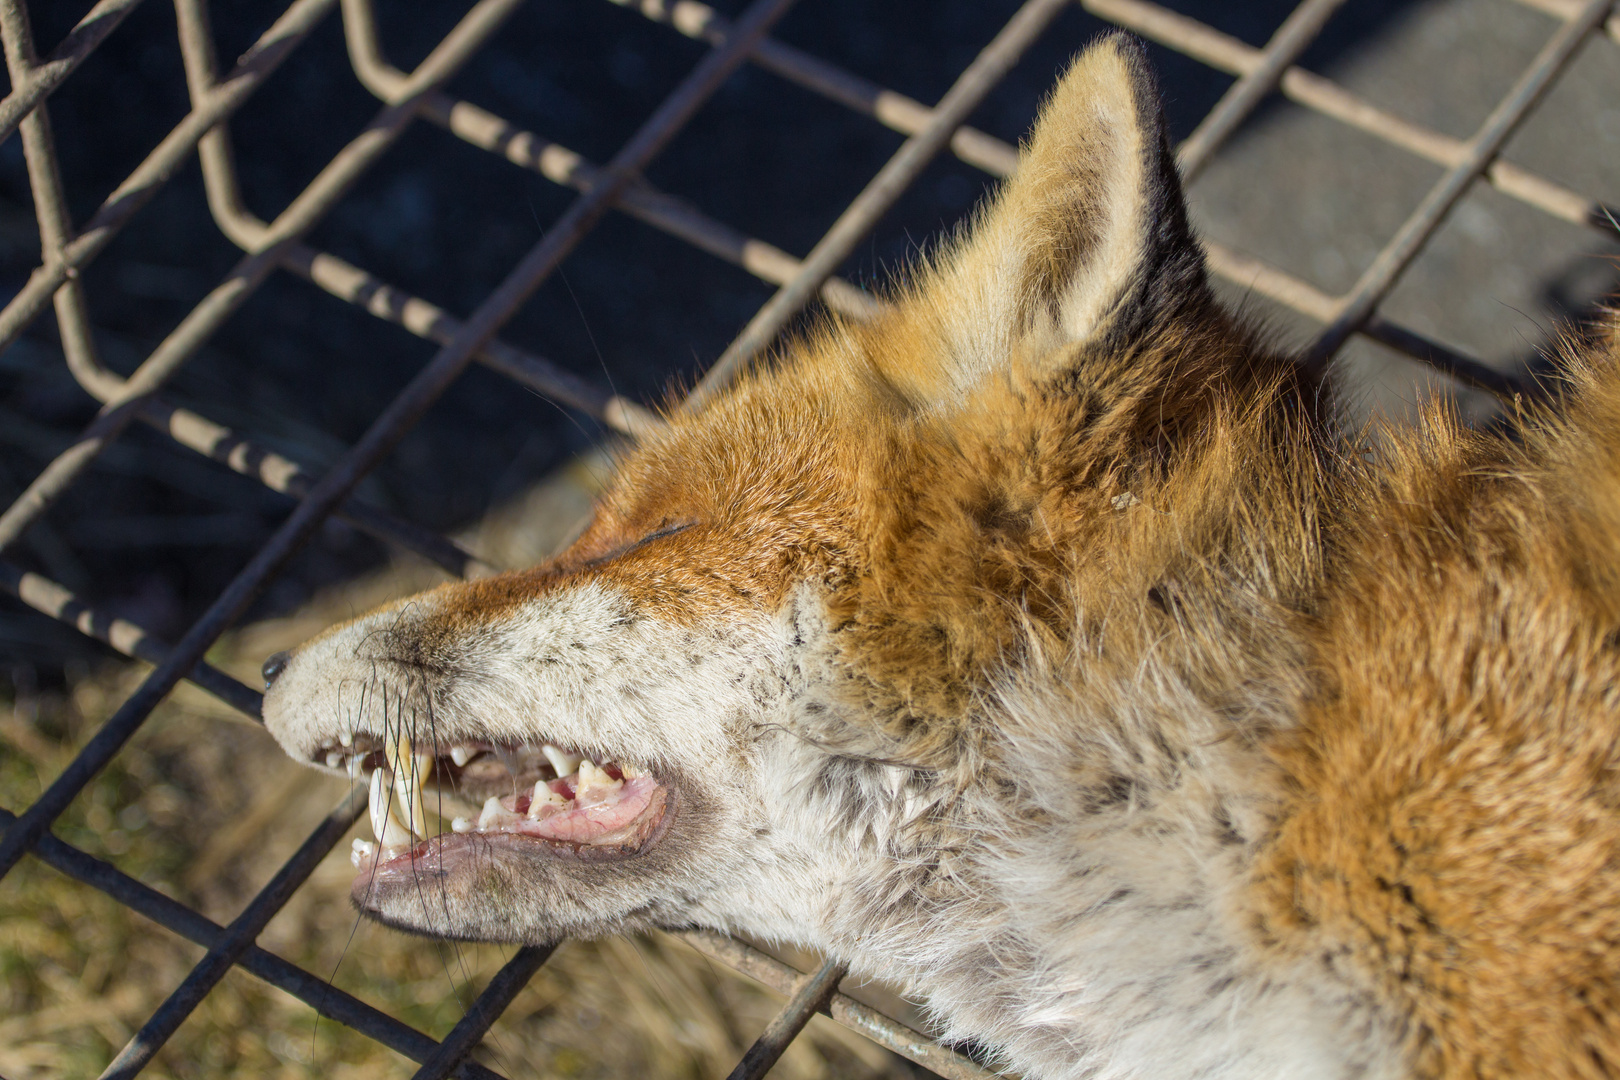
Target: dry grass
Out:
[203,807]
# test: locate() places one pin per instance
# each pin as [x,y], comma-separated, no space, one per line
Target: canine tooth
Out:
[461,755]
[383,823]
[410,771]
[395,840]
[460,825]
[407,806]
[377,799]
[564,762]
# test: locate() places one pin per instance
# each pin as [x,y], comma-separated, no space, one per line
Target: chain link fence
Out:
[1267,77]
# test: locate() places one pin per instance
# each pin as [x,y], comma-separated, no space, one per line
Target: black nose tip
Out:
[275,666]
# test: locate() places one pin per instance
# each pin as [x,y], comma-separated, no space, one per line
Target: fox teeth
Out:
[543,796]
[492,813]
[390,834]
[630,772]
[592,778]
[407,806]
[361,850]
[410,771]
[461,755]
[335,759]
[377,799]
[461,825]
[564,762]
[345,738]
[355,765]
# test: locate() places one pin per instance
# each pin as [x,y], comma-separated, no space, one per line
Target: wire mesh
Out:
[281,246]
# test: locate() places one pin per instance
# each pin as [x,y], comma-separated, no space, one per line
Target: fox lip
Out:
[570,805]
[451,854]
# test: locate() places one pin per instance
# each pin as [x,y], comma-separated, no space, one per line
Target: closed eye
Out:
[656,534]
[659,534]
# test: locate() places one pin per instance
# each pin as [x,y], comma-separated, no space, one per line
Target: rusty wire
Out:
[417,95]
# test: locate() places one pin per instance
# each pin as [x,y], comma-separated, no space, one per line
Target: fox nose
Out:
[275,666]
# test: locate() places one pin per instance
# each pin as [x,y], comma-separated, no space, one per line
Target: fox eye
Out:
[659,533]
[625,549]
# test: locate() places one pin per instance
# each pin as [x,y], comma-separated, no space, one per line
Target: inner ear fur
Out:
[1089,238]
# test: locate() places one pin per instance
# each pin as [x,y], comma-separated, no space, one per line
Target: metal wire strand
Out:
[242,932]
[1321,95]
[313,990]
[1380,277]
[389,427]
[160,166]
[641,200]
[1292,38]
[324,497]
[469,1030]
[250,273]
[45,595]
[908,1042]
[809,997]
[286,477]
[998,158]
[33,86]
[897,174]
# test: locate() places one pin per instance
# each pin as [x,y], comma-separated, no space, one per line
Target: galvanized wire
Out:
[1323,96]
[170,155]
[906,1041]
[324,496]
[1292,38]
[498,994]
[242,932]
[38,79]
[49,598]
[810,996]
[277,244]
[1256,69]
[1403,247]
[897,174]
[318,993]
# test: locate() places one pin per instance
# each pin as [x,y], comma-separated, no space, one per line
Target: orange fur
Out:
[1453,834]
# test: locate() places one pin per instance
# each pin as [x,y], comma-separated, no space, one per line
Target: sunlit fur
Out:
[1452,841]
[1040,646]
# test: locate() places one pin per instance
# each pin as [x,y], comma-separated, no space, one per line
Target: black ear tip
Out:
[1127,43]
[1134,51]
[274,666]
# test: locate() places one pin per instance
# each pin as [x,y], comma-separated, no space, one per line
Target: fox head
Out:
[756,694]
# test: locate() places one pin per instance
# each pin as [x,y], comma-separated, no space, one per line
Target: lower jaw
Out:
[451,853]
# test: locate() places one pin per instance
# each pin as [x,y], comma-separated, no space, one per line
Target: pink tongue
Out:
[590,823]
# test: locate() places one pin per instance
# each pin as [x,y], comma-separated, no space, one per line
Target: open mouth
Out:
[571,803]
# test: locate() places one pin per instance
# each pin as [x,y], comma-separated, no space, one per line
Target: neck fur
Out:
[1080,904]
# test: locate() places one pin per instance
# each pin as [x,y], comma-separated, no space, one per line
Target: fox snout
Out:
[561,731]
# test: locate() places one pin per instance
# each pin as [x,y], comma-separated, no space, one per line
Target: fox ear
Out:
[1089,238]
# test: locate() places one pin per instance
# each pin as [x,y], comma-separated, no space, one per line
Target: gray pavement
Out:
[1318,199]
